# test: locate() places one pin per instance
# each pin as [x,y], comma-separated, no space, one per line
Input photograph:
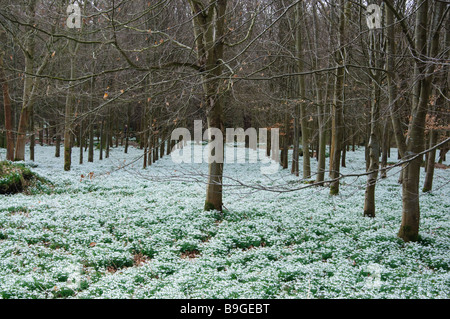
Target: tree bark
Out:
[41,135]
[321,112]
[57,141]
[392,83]
[127,128]
[374,150]
[91,143]
[22,128]
[81,143]
[338,106]
[375,40]
[68,120]
[30,85]
[33,133]
[6,106]
[285,149]
[428,184]
[108,132]
[102,139]
[409,229]
[384,150]
[302,107]
[209,31]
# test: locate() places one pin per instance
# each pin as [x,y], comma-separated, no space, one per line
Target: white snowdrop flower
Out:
[374,279]
[74,278]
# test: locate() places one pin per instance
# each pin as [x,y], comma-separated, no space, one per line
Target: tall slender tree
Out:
[6,101]
[209,30]
[425,49]
[375,60]
[338,101]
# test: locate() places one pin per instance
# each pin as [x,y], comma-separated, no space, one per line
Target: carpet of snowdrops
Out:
[111,229]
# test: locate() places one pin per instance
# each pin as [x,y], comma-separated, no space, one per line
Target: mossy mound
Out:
[17,178]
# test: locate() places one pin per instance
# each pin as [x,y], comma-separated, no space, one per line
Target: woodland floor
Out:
[135,233]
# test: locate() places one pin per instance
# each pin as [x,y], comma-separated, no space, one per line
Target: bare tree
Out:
[425,49]
[338,101]
[6,103]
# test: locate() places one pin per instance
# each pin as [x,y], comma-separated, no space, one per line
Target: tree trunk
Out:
[428,184]
[322,144]
[162,146]
[338,106]
[409,229]
[26,104]
[366,140]
[33,133]
[81,144]
[91,143]
[392,87]
[102,139]
[116,131]
[209,30]
[302,106]
[296,143]
[321,112]
[385,150]
[247,120]
[215,169]
[68,121]
[29,90]
[58,141]
[41,135]
[285,149]
[374,149]
[7,107]
[344,153]
[27,100]
[68,133]
[47,132]
[146,123]
[108,132]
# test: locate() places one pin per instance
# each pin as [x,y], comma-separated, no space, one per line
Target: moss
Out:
[426,189]
[63,293]
[334,190]
[16,178]
[209,206]
[408,234]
